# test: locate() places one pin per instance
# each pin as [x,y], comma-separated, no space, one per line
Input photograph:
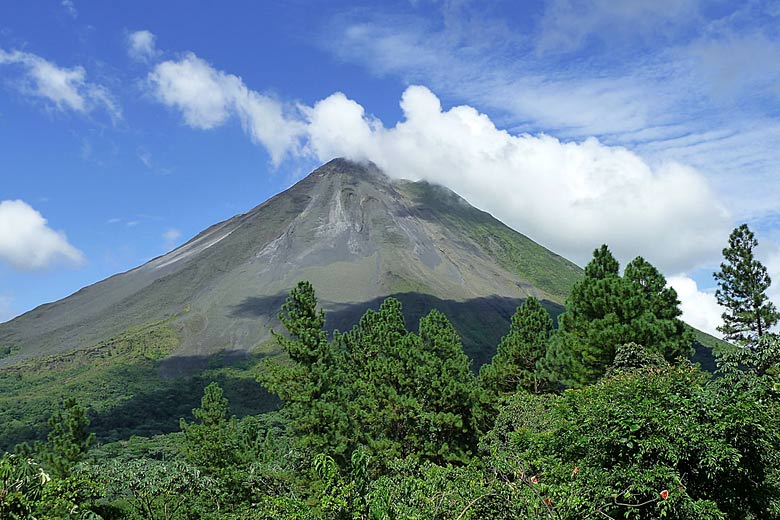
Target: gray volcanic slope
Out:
[356,234]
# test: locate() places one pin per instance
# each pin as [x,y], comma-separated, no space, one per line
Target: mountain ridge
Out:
[357,234]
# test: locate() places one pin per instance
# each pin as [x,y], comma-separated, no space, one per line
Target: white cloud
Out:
[645,75]
[6,312]
[569,196]
[70,8]
[28,243]
[145,156]
[567,24]
[699,308]
[773,268]
[171,237]
[141,45]
[208,97]
[65,88]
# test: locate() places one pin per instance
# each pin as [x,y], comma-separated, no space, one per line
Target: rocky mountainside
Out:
[356,234]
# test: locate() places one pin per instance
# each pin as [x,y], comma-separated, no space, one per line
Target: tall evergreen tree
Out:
[68,440]
[605,310]
[742,285]
[313,384]
[213,442]
[653,311]
[514,365]
[446,388]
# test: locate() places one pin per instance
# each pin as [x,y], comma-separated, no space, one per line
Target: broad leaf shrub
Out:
[642,443]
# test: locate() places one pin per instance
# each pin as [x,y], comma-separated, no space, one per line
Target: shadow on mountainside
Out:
[158,408]
[481,322]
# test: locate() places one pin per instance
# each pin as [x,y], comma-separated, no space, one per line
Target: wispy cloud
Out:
[208,97]
[64,88]
[567,25]
[171,238]
[141,46]
[28,243]
[665,79]
[70,8]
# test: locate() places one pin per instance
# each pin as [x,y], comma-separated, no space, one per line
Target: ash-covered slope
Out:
[356,234]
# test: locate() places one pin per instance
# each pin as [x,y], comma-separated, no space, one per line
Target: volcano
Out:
[356,234]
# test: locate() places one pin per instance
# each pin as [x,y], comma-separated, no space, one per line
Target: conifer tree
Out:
[68,440]
[314,385]
[214,441]
[605,310]
[742,285]
[514,365]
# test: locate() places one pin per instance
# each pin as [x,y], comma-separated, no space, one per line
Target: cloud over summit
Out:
[569,196]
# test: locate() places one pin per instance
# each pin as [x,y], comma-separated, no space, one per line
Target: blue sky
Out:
[651,126]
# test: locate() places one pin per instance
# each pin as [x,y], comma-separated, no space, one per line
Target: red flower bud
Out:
[534,480]
[664,494]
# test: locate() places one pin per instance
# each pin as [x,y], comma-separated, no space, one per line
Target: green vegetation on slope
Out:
[119,379]
[382,423]
[516,253]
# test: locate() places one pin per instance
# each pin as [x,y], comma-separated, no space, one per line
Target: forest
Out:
[601,415]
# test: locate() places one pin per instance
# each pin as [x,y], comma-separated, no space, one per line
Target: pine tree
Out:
[742,285]
[313,386]
[605,310]
[446,388]
[514,365]
[214,441]
[653,310]
[68,440]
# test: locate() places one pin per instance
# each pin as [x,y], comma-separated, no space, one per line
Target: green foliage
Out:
[68,440]
[742,285]
[514,365]
[411,394]
[605,310]
[313,386]
[153,489]
[21,486]
[633,357]
[215,442]
[613,447]
[120,381]
[27,492]
[395,392]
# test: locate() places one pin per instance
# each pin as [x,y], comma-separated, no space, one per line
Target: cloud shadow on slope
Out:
[481,322]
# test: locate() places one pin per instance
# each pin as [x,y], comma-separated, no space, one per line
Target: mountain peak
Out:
[343,166]
[355,233]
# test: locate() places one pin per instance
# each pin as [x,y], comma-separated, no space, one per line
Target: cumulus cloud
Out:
[171,238]
[65,88]
[141,45]
[6,313]
[570,196]
[28,243]
[773,268]
[699,308]
[208,97]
